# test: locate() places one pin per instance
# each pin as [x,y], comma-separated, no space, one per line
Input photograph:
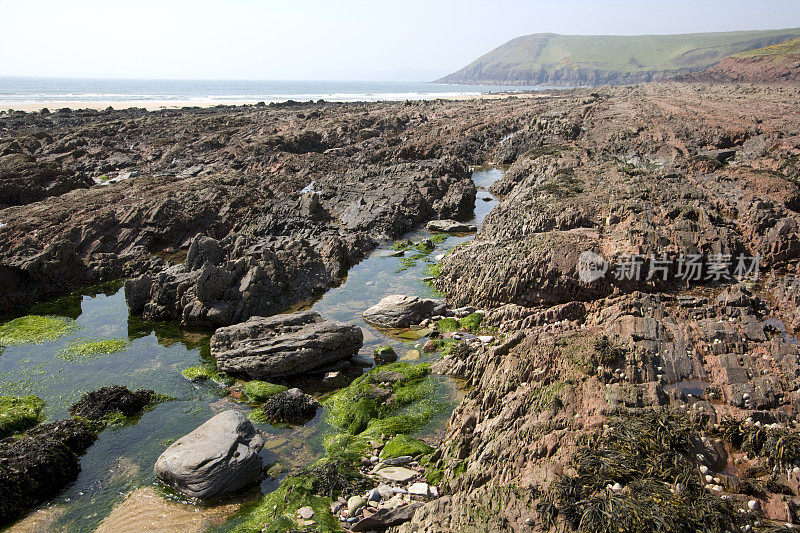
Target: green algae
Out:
[277,511]
[86,350]
[258,391]
[472,321]
[19,413]
[448,325]
[34,329]
[438,238]
[401,445]
[206,372]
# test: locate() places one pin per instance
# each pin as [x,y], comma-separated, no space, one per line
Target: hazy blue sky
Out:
[309,39]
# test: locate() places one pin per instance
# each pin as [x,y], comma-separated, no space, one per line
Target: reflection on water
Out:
[119,466]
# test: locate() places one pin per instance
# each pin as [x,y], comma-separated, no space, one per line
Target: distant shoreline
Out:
[155,105]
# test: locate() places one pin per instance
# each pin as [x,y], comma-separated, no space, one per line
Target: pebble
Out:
[419,489]
[752,505]
[703,469]
[305,512]
[374,496]
[354,504]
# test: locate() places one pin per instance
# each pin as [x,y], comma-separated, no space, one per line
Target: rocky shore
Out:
[600,388]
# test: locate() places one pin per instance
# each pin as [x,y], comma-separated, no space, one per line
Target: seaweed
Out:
[259,391]
[650,456]
[34,329]
[87,350]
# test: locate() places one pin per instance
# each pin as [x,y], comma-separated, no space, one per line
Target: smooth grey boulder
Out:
[401,311]
[450,226]
[220,457]
[283,345]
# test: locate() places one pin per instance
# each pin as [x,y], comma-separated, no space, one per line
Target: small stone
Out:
[362,360]
[703,469]
[752,505]
[486,339]
[355,504]
[397,473]
[374,459]
[334,380]
[616,487]
[305,512]
[374,496]
[434,491]
[398,461]
[419,489]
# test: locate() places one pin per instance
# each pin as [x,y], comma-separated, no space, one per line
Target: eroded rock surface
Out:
[283,345]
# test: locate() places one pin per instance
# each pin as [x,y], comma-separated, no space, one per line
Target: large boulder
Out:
[218,458]
[401,311]
[283,345]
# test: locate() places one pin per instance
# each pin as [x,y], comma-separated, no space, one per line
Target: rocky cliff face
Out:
[751,69]
[585,370]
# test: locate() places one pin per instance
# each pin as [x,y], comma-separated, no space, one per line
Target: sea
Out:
[16,91]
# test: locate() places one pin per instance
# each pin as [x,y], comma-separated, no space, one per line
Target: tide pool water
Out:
[152,356]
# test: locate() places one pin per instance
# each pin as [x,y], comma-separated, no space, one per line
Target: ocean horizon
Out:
[28,91]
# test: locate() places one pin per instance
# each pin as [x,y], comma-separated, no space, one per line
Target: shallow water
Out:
[122,459]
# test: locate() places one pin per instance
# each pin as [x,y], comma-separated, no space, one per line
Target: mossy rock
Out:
[401,445]
[384,354]
[358,407]
[34,329]
[258,391]
[472,321]
[19,414]
[448,325]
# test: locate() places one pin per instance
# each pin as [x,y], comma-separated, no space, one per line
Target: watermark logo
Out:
[591,266]
[684,267]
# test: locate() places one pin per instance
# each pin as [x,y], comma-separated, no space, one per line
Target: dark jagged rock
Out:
[386,518]
[291,406]
[218,458]
[283,345]
[98,404]
[24,180]
[38,465]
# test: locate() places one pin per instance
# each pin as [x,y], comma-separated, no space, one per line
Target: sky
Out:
[326,40]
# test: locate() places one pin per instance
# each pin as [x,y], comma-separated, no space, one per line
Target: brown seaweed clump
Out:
[290,407]
[35,467]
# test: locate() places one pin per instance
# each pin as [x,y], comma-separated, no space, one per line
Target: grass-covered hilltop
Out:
[552,59]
